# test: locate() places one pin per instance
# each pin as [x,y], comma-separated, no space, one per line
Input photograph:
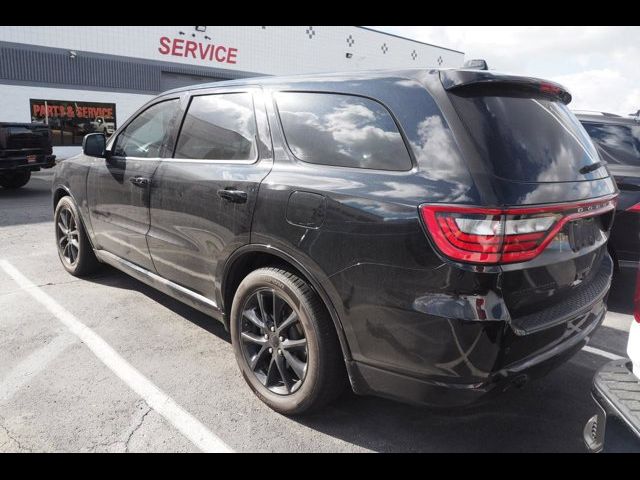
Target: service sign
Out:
[203,51]
[70,121]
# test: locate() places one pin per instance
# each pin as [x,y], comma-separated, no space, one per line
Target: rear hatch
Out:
[551,202]
[21,139]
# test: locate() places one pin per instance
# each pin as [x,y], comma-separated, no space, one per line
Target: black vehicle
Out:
[618,142]
[430,235]
[24,148]
[615,427]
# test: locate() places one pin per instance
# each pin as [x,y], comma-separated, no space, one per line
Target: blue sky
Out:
[599,65]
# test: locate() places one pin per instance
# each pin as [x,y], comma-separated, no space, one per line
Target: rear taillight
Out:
[492,236]
[635,208]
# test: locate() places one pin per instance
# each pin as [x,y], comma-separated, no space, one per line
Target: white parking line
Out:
[182,420]
[602,353]
[31,366]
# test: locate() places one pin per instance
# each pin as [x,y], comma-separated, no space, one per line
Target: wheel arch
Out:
[250,257]
[59,192]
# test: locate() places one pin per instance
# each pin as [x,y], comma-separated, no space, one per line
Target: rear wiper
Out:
[590,168]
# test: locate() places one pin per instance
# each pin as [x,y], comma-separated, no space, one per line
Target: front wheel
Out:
[74,248]
[16,179]
[285,343]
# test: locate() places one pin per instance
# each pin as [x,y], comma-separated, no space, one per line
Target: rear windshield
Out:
[621,143]
[529,139]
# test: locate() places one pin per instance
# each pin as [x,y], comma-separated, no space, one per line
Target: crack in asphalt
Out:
[13,439]
[124,444]
[136,428]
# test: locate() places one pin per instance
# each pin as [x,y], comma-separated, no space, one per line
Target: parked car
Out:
[431,235]
[104,125]
[616,391]
[24,148]
[617,139]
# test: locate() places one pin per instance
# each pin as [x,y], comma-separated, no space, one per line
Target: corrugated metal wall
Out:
[31,65]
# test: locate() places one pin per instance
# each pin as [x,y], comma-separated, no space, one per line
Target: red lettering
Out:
[204,53]
[165,48]
[178,45]
[190,48]
[224,54]
[232,56]
[35,110]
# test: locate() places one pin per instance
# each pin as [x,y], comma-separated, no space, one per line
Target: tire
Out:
[15,179]
[83,261]
[324,375]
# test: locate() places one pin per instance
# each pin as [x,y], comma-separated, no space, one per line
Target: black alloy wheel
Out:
[274,342]
[67,236]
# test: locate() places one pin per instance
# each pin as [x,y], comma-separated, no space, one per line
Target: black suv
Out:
[24,148]
[429,235]
[618,142]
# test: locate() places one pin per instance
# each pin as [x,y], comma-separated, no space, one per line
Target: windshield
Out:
[529,139]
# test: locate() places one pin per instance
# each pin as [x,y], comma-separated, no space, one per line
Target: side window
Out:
[219,127]
[144,136]
[341,130]
[622,142]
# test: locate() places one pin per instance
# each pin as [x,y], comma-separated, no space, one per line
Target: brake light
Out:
[492,236]
[550,88]
[635,208]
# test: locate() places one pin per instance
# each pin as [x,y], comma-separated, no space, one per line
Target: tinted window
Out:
[528,139]
[342,130]
[620,142]
[144,136]
[219,127]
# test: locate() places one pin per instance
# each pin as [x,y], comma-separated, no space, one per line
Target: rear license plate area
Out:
[583,233]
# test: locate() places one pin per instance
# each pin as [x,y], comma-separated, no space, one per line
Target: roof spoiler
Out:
[457,80]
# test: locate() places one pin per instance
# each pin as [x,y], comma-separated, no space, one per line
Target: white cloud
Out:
[599,65]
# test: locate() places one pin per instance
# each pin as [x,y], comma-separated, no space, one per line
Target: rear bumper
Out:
[616,426]
[19,163]
[367,379]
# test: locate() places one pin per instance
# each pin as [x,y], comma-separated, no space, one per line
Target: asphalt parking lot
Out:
[57,395]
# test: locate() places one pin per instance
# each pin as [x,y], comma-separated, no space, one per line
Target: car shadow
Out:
[622,291]
[546,415]
[29,204]
[109,276]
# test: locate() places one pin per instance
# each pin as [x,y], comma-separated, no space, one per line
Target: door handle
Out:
[233,196]
[140,181]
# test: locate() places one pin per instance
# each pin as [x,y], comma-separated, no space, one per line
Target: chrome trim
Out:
[627,264]
[174,290]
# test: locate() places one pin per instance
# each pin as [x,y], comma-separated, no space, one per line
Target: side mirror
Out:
[94,144]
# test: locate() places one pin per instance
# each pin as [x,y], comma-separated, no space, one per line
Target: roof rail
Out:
[596,112]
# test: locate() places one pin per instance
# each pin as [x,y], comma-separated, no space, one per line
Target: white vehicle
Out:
[616,391]
[104,125]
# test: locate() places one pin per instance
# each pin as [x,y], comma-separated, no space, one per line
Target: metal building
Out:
[81,79]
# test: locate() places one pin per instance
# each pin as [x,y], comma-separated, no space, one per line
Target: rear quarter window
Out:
[341,130]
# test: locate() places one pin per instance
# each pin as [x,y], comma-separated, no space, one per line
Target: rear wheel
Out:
[74,249]
[285,343]
[16,179]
